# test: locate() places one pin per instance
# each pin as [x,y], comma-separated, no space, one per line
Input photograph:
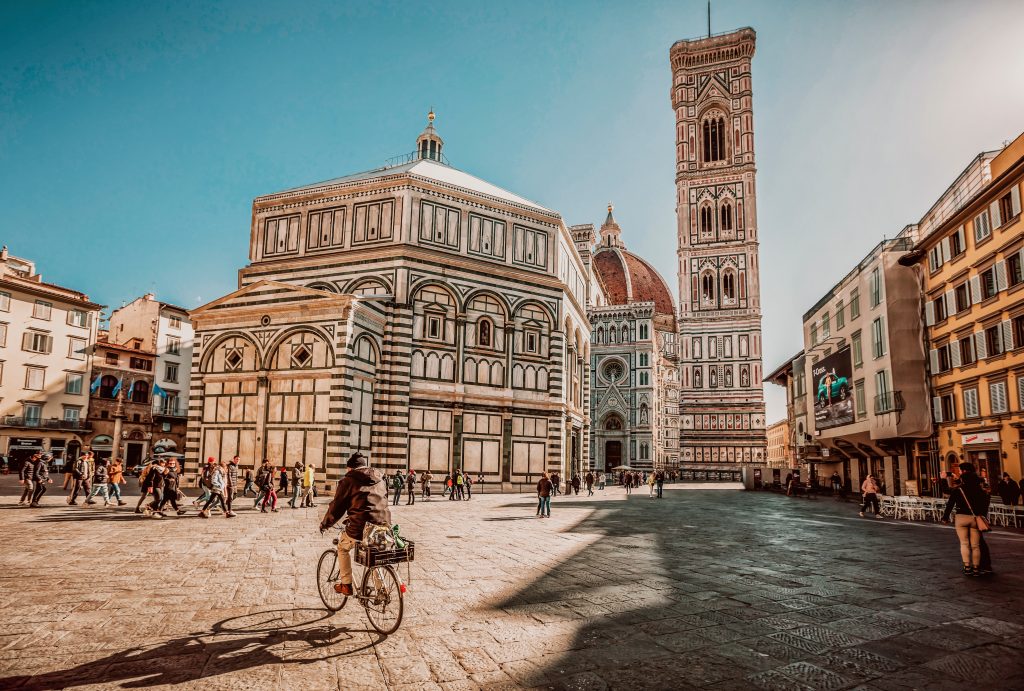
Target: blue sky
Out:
[134,136]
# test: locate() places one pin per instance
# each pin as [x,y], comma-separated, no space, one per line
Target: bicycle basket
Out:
[372,556]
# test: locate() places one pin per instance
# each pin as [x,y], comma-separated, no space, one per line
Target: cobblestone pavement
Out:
[703,589]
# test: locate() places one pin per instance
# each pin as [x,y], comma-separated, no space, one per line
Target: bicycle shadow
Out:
[240,643]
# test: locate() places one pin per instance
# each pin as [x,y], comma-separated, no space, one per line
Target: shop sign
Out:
[27,443]
[980,438]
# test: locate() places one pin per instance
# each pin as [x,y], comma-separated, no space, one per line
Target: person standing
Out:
[171,482]
[467,481]
[425,481]
[397,485]
[650,485]
[26,476]
[100,481]
[115,478]
[837,483]
[588,480]
[157,487]
[870,490]
[248,483]
[576,482]
[449,487]
[1008,490]
[282,488]
[553,479]
[544,490]
[659,481]
[460,485]
[308,484]
[297,485]
[68,476]
[971,502]
[410,488]
[41,478]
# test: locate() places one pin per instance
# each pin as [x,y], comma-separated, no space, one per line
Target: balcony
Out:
[170,409]
[39,423]
[889,402]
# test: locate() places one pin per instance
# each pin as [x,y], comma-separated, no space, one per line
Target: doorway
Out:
[133,454]
[612,455]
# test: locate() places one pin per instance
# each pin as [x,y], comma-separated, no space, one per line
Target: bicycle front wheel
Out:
[384,600]
[326,577]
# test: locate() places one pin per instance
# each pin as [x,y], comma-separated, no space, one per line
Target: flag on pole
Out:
[117,389]
[131,389]
[157,391]
[95,386]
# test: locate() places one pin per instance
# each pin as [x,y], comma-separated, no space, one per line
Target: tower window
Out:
[714,139]
[729,286]
[707,288]
[706,221]
[725,222]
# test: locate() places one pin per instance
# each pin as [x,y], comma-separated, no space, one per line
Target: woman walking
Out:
[971,502]
[870,489]
[115,478]
[217,482]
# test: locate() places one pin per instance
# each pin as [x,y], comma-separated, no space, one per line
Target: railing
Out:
[52,423]
[402,159]
[171,409]
[889,402]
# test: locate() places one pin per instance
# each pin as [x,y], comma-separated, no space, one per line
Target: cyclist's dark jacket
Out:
[362,493]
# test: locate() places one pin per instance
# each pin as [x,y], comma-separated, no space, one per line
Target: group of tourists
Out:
[457,486]
[160,484]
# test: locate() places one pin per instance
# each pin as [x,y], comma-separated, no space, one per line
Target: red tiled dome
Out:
[627,278]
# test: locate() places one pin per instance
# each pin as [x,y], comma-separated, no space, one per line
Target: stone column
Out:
[460,346]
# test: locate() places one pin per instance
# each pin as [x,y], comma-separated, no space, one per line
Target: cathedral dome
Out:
[626,277]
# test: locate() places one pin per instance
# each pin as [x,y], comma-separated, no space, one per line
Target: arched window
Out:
[707,288]
[484,333]
[714,138]
[613,423]
[107,385]
[729,286]
[725,218]
[706,220]
[140,392]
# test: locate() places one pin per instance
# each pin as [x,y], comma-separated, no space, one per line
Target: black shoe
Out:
[968,570]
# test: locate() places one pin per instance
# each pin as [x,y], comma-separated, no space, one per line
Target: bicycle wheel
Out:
[326,577]
[384,600]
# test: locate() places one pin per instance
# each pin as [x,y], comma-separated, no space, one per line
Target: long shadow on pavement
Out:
[234,644]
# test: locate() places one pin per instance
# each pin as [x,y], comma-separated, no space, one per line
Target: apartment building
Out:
[120,414]
[166,331]
[867,397]
[971,267]
[780,445]
[46,331]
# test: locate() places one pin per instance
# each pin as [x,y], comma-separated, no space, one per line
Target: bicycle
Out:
[384,600]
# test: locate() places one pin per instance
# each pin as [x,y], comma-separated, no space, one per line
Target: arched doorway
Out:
[612,455]
[614,434]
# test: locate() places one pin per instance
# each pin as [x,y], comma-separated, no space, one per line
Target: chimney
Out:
[149,296]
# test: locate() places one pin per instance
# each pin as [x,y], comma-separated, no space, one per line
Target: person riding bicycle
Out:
[363,495]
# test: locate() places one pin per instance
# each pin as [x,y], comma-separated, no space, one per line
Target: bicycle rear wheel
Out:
[326,577]
[384,600]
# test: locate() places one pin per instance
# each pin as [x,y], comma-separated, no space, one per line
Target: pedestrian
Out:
[837,483]
[282,488]
[297,484]
[588,479]
[627,482]
[159,467]
[79,470]
[544,490]
[308,484]
[460,485]
[115,478]
[449,487]
[41,478]
[1009,490]
[971,503]
[789,484]
[397,485]
[659,481]
[410,488]
[265,481]
[468,482]
[230,485]
[26,476]
[100,482]
[425,481]
[259,482]
[650,485]
[171,483]
[218,484]
[576,483]
[145,485]
[248,483]
[869,488]
[68,477]
[203,482]
[553,479]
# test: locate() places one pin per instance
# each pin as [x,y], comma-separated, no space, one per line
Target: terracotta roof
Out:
[627,278]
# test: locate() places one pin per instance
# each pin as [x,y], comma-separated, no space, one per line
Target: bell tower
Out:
[722,411]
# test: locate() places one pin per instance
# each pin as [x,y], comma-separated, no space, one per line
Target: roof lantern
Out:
[429,143]
[610,231]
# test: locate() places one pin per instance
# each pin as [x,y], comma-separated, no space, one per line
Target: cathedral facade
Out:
[415,313]
[723,411]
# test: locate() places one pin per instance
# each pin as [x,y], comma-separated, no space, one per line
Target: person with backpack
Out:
[230,485]
[460,485]
[449,487]
[203,482]
[41,478]
[544,489]
[146,478]
[26,476]
[218,483]
[100,478]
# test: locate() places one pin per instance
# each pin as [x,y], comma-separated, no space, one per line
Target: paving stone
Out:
[814,676]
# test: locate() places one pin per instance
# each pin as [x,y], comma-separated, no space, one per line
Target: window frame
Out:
[29,370]
[45,306]
[69,377]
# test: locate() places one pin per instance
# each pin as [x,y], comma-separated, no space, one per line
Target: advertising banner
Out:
[832,388]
